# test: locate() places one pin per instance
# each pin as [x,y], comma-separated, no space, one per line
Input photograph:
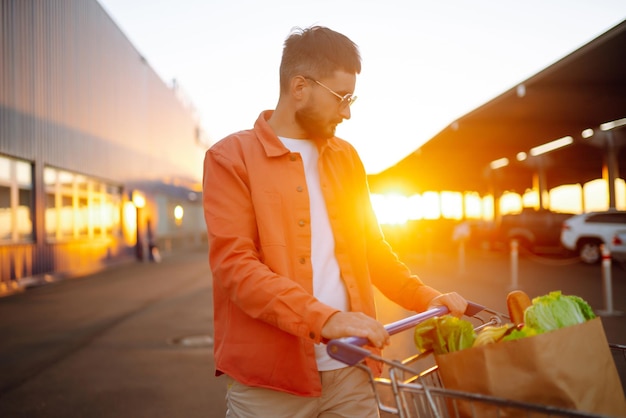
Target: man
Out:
[295,246]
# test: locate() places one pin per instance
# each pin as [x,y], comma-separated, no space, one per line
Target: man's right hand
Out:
[356,324]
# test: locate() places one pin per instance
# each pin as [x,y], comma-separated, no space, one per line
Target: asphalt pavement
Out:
[136,340]
[131,341]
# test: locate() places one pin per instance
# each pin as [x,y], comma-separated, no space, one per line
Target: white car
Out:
[618,244]
[584,234]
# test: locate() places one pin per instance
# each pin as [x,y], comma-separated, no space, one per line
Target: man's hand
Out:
[453,301]
[355,324]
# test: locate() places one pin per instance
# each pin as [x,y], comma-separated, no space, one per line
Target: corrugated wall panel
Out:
[75,94]
[67,63]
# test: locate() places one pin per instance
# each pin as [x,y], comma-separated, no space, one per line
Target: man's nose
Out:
[344,111]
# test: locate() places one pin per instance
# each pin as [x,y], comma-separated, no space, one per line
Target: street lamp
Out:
[178,214]
[139,201]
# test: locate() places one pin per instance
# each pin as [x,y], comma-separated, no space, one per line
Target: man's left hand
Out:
[453,301]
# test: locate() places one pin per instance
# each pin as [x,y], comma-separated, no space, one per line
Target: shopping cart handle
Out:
[349,350]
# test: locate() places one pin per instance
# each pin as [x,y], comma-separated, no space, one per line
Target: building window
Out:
[79,206]
[16,198]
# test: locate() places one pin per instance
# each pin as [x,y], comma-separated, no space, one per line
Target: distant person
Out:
[153,249]
[295,247]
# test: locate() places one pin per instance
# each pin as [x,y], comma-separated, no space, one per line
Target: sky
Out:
[425,63]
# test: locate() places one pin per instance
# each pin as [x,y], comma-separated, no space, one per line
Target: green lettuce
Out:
[444,334]
[555,310]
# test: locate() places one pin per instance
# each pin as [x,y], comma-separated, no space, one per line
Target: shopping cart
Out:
[413,387]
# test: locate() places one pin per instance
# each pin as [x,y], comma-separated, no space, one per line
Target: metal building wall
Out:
[75,94]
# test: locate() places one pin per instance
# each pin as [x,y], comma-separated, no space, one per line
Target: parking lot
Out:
[135,340]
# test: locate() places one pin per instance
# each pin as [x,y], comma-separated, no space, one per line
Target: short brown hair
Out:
[317,52]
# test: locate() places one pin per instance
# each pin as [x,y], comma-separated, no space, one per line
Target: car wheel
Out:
[589,252]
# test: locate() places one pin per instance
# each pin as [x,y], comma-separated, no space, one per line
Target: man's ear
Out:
[298,88]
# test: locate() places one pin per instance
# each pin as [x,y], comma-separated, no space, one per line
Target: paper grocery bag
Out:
[569,368]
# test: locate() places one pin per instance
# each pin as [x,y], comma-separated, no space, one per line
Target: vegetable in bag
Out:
[444,334]
[550,312]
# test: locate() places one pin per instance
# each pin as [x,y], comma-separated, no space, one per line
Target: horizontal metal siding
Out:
[66,64]
[76,94]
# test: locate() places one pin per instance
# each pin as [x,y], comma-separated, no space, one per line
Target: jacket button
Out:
[292,157]
[301,222]
[299,188]
[302,260]
[312,335]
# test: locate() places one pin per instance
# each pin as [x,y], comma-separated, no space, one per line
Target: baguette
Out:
[517,301]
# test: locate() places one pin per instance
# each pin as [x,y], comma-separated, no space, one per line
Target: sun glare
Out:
[530,199]
[567,198]
[473,206]
[451,205]
[431,205]
[397,209]
[488,206]
[391,209]
[510,203]
[596,195]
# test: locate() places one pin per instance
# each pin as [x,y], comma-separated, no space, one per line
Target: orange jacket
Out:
[256,208]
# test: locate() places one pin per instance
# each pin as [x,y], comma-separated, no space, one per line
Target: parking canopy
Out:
[582,91]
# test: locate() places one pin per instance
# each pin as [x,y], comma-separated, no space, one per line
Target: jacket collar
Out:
[270,142]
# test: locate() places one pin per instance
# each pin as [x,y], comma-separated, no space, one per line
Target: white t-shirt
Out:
[327,284]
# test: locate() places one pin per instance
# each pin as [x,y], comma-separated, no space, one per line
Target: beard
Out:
[315,126]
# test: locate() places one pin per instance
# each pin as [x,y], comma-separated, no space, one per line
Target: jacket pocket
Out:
[269,216]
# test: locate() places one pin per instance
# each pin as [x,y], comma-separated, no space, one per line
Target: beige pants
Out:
[346,393]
